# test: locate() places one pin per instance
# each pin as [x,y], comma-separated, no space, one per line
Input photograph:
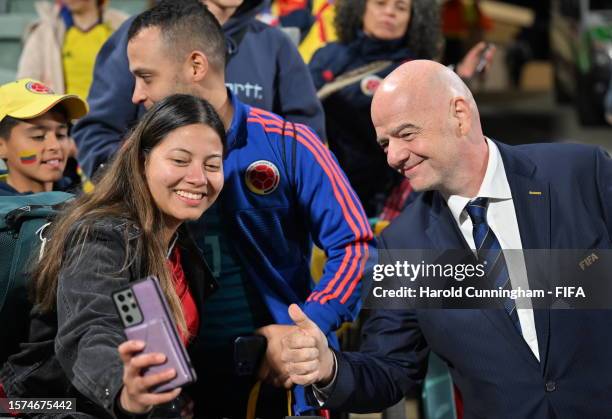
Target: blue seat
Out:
[22,6]
[28,6]
[6,76]
[438,392]
[132,7]
[12,28]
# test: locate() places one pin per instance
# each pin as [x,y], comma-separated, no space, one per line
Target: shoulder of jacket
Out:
[259,32]
[46,10]
[258,25]
[327,54]
[114,18]
[48,20]
[331,48]
[109,228]
[264,123]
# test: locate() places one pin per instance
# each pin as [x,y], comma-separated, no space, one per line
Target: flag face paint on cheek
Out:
[28,157]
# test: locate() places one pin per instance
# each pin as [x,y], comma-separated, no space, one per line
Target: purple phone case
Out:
[156,328]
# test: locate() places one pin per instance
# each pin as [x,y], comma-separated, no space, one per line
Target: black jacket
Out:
[350,133]
[73,352]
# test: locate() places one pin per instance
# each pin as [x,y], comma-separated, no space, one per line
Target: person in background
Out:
[34,140]
[61,48]
[263,69]
[374,38]
[463,24]
[169,170]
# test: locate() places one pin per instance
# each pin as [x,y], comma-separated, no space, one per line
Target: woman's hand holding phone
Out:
[137,395]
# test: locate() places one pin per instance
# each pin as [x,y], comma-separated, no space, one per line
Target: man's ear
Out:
[462,115]
[197,65]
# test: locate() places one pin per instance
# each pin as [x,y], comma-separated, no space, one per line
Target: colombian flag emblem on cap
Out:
[36,87]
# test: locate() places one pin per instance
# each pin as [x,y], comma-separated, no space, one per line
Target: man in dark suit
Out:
[477,194]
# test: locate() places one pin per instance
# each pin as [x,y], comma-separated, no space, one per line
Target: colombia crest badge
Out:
[262,177]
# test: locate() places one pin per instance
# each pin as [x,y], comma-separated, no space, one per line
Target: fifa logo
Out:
[588,261]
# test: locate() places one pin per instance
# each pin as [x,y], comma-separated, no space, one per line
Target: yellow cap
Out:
[28,98]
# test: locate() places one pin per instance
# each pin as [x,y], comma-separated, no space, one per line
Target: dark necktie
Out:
[489,250]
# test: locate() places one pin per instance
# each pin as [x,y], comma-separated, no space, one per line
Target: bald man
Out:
[476,194]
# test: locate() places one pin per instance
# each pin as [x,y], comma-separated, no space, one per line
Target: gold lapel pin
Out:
[535,193]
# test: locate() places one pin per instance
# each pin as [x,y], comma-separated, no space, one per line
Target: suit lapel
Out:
[442,230]
[444,233]
[531,198]
[500,319]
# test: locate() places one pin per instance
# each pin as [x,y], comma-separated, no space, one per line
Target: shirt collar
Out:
[494,185]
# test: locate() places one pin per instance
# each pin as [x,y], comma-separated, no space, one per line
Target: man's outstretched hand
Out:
[305,353]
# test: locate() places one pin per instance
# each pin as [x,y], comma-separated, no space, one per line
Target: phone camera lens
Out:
[133,305]
[121,298]
[129,294]
[125,308]
[129,318]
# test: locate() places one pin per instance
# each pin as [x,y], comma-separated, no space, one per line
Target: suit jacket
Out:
[493,367]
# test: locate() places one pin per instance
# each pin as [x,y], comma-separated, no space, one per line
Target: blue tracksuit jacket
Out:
[312,202]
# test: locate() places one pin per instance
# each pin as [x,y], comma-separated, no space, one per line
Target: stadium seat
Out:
[131,7]
[5,77]
[22,6]
[438,395]
[12,27]
[27,6]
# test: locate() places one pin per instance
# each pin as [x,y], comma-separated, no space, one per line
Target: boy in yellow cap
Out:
[34,141]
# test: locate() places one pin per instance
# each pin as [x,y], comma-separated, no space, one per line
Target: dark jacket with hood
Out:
[350,133]
[8,190]
[264,69]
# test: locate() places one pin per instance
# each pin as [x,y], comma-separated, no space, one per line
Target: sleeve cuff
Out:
[322,393]
[120,413]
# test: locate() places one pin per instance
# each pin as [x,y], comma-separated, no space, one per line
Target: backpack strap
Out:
[18,216]
[350,77]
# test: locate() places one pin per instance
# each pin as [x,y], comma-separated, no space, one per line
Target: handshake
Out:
[305,355]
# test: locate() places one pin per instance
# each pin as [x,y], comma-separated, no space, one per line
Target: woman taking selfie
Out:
[169,170]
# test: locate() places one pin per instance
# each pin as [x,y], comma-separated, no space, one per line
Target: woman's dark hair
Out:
[122,192]
[423,36]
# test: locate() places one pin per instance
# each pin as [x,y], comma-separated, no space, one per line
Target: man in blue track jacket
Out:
[264,69]
[283,191]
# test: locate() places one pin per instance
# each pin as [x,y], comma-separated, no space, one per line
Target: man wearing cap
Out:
[34,141]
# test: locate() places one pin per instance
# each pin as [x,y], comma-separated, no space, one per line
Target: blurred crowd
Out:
[323,73]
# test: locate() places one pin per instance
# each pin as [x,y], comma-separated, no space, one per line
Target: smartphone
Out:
[248,353]
[146,316]
[482,62]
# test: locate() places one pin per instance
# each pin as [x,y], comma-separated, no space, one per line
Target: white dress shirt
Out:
[501,217]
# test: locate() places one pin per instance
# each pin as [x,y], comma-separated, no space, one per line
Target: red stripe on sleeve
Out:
[322,153]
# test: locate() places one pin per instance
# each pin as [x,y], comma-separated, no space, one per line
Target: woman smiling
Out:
[168,171]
